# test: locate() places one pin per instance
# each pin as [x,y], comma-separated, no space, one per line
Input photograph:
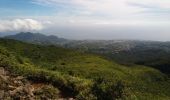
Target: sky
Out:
[88,19]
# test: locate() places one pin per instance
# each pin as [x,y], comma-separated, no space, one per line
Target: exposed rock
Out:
[10,87]
[13,87]
[2,71]
[19,78]
[2,93]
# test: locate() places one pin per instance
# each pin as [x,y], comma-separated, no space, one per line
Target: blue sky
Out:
[23,8]
[120,19]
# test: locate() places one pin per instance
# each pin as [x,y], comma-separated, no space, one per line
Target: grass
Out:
[84,76]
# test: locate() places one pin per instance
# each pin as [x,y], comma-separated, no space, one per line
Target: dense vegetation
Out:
[157,57]
[83,76]
[147,53]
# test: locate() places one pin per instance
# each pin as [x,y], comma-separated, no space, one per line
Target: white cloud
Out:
[162,4]
[110,12]
[107,7]
[20,25]
[91,6]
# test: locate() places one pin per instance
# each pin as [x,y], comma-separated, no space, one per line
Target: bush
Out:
[47,92]
[108,90]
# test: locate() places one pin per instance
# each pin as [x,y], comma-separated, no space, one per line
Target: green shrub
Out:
[46,92]
[108,90]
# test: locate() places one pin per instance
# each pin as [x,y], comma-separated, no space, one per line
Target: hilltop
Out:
[37,38]
[82,76]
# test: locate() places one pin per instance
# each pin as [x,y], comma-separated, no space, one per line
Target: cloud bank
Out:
[20,25]
[108,7]
[113,12]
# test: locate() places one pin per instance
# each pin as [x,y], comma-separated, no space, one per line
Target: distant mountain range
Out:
[37,38]
[100,46]
[150,53]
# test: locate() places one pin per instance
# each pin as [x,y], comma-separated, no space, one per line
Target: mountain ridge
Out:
[36,38]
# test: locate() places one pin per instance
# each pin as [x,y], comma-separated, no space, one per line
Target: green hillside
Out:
[83,76]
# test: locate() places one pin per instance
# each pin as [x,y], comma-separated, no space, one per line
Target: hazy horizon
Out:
[88,19]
